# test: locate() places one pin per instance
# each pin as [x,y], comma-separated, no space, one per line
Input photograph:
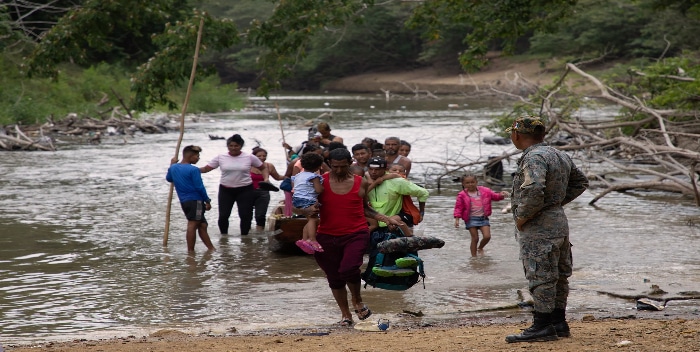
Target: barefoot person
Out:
[192,195]
[546,179]
[473,205]
[343,233]
[235,186]
[262,195]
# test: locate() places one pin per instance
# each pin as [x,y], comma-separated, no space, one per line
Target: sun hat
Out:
[527,125]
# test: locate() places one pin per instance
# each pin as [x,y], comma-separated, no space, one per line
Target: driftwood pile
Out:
[77,129]
[661,153]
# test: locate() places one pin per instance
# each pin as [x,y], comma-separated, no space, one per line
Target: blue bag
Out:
[286,184]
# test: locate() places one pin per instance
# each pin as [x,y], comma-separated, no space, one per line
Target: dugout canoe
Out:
[284,232]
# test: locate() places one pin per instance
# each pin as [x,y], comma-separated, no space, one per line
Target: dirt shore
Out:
[588,334]
[503,74]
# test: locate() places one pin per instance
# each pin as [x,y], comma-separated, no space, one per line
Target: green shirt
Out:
[388,196]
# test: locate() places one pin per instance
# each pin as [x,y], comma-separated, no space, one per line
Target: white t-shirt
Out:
[235,170]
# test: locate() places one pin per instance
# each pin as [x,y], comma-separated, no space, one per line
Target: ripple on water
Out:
[83,228]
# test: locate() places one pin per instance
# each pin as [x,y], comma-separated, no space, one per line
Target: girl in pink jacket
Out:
[474,206]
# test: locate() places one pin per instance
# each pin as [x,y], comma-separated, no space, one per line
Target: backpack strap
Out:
[303,144]
[420,268]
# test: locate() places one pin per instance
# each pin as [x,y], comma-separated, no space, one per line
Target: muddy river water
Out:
[81,233]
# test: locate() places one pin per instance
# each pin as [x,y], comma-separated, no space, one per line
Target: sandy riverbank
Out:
[587,335]
[501,75]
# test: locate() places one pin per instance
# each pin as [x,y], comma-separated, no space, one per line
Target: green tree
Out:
[490,21]
[620,29]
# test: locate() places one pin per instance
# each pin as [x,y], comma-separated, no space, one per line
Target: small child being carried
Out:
[397,171]
[307,187]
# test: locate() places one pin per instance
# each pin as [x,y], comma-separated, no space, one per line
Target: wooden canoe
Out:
[284,232]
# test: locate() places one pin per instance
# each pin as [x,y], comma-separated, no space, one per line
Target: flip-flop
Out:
[305,246]
[346,323]
[363,313]
[316,246]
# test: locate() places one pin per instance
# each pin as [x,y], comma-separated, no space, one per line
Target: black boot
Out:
[541,330]
[559,322]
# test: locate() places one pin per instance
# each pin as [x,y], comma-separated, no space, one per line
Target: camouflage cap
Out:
[527,125]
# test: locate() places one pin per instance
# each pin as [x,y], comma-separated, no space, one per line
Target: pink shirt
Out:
[235,170]
[463,205]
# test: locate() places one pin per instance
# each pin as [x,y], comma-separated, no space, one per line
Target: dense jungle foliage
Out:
[61,56]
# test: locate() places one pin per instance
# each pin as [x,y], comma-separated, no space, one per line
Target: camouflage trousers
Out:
[548,264]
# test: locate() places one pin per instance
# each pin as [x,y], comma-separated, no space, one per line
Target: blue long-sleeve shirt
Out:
[188,182]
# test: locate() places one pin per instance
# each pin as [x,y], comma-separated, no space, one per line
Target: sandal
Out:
[345,323]
[363,313]
[305,246]
[316,246]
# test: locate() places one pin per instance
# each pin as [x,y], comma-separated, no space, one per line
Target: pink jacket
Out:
[463,205]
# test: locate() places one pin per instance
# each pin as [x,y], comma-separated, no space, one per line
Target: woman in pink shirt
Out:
[236,185]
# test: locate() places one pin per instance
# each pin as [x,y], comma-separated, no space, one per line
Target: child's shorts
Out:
[302,203]
[478,221]
[194,210]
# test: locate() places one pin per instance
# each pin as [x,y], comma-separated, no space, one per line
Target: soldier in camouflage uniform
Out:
[546,180]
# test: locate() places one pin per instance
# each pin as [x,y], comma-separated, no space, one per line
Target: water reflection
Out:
[82,231]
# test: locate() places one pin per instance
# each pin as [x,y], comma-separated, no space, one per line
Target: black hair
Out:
[258,149]
[359,146]
[311,161]
[336,145]
[308,148]
[368,140]
[235,138]
[402,142]
[340,154]
[468,174]
[357,170]
[191,149]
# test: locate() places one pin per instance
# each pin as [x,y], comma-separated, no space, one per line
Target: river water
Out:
[82,228]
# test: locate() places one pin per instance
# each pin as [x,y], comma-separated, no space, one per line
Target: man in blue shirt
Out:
[193,196]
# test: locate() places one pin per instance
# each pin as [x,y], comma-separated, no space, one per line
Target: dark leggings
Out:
[245,197]
[261,202]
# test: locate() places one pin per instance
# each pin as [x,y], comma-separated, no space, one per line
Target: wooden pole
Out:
[279,119]
[182,126]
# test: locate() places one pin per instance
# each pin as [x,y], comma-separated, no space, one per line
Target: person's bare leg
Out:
[356,295]
[486,232]
[474,232]
[305,231]
[204,236]
[341,298]
[191,235]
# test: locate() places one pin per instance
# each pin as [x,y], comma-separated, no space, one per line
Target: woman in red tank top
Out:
[343,233]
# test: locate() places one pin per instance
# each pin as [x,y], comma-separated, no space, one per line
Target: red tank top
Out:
[256,178]
[341,214]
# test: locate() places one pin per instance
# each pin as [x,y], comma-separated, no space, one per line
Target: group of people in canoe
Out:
[347,192]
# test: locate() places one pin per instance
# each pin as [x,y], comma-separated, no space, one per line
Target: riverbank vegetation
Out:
[72,55]
[302,45]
